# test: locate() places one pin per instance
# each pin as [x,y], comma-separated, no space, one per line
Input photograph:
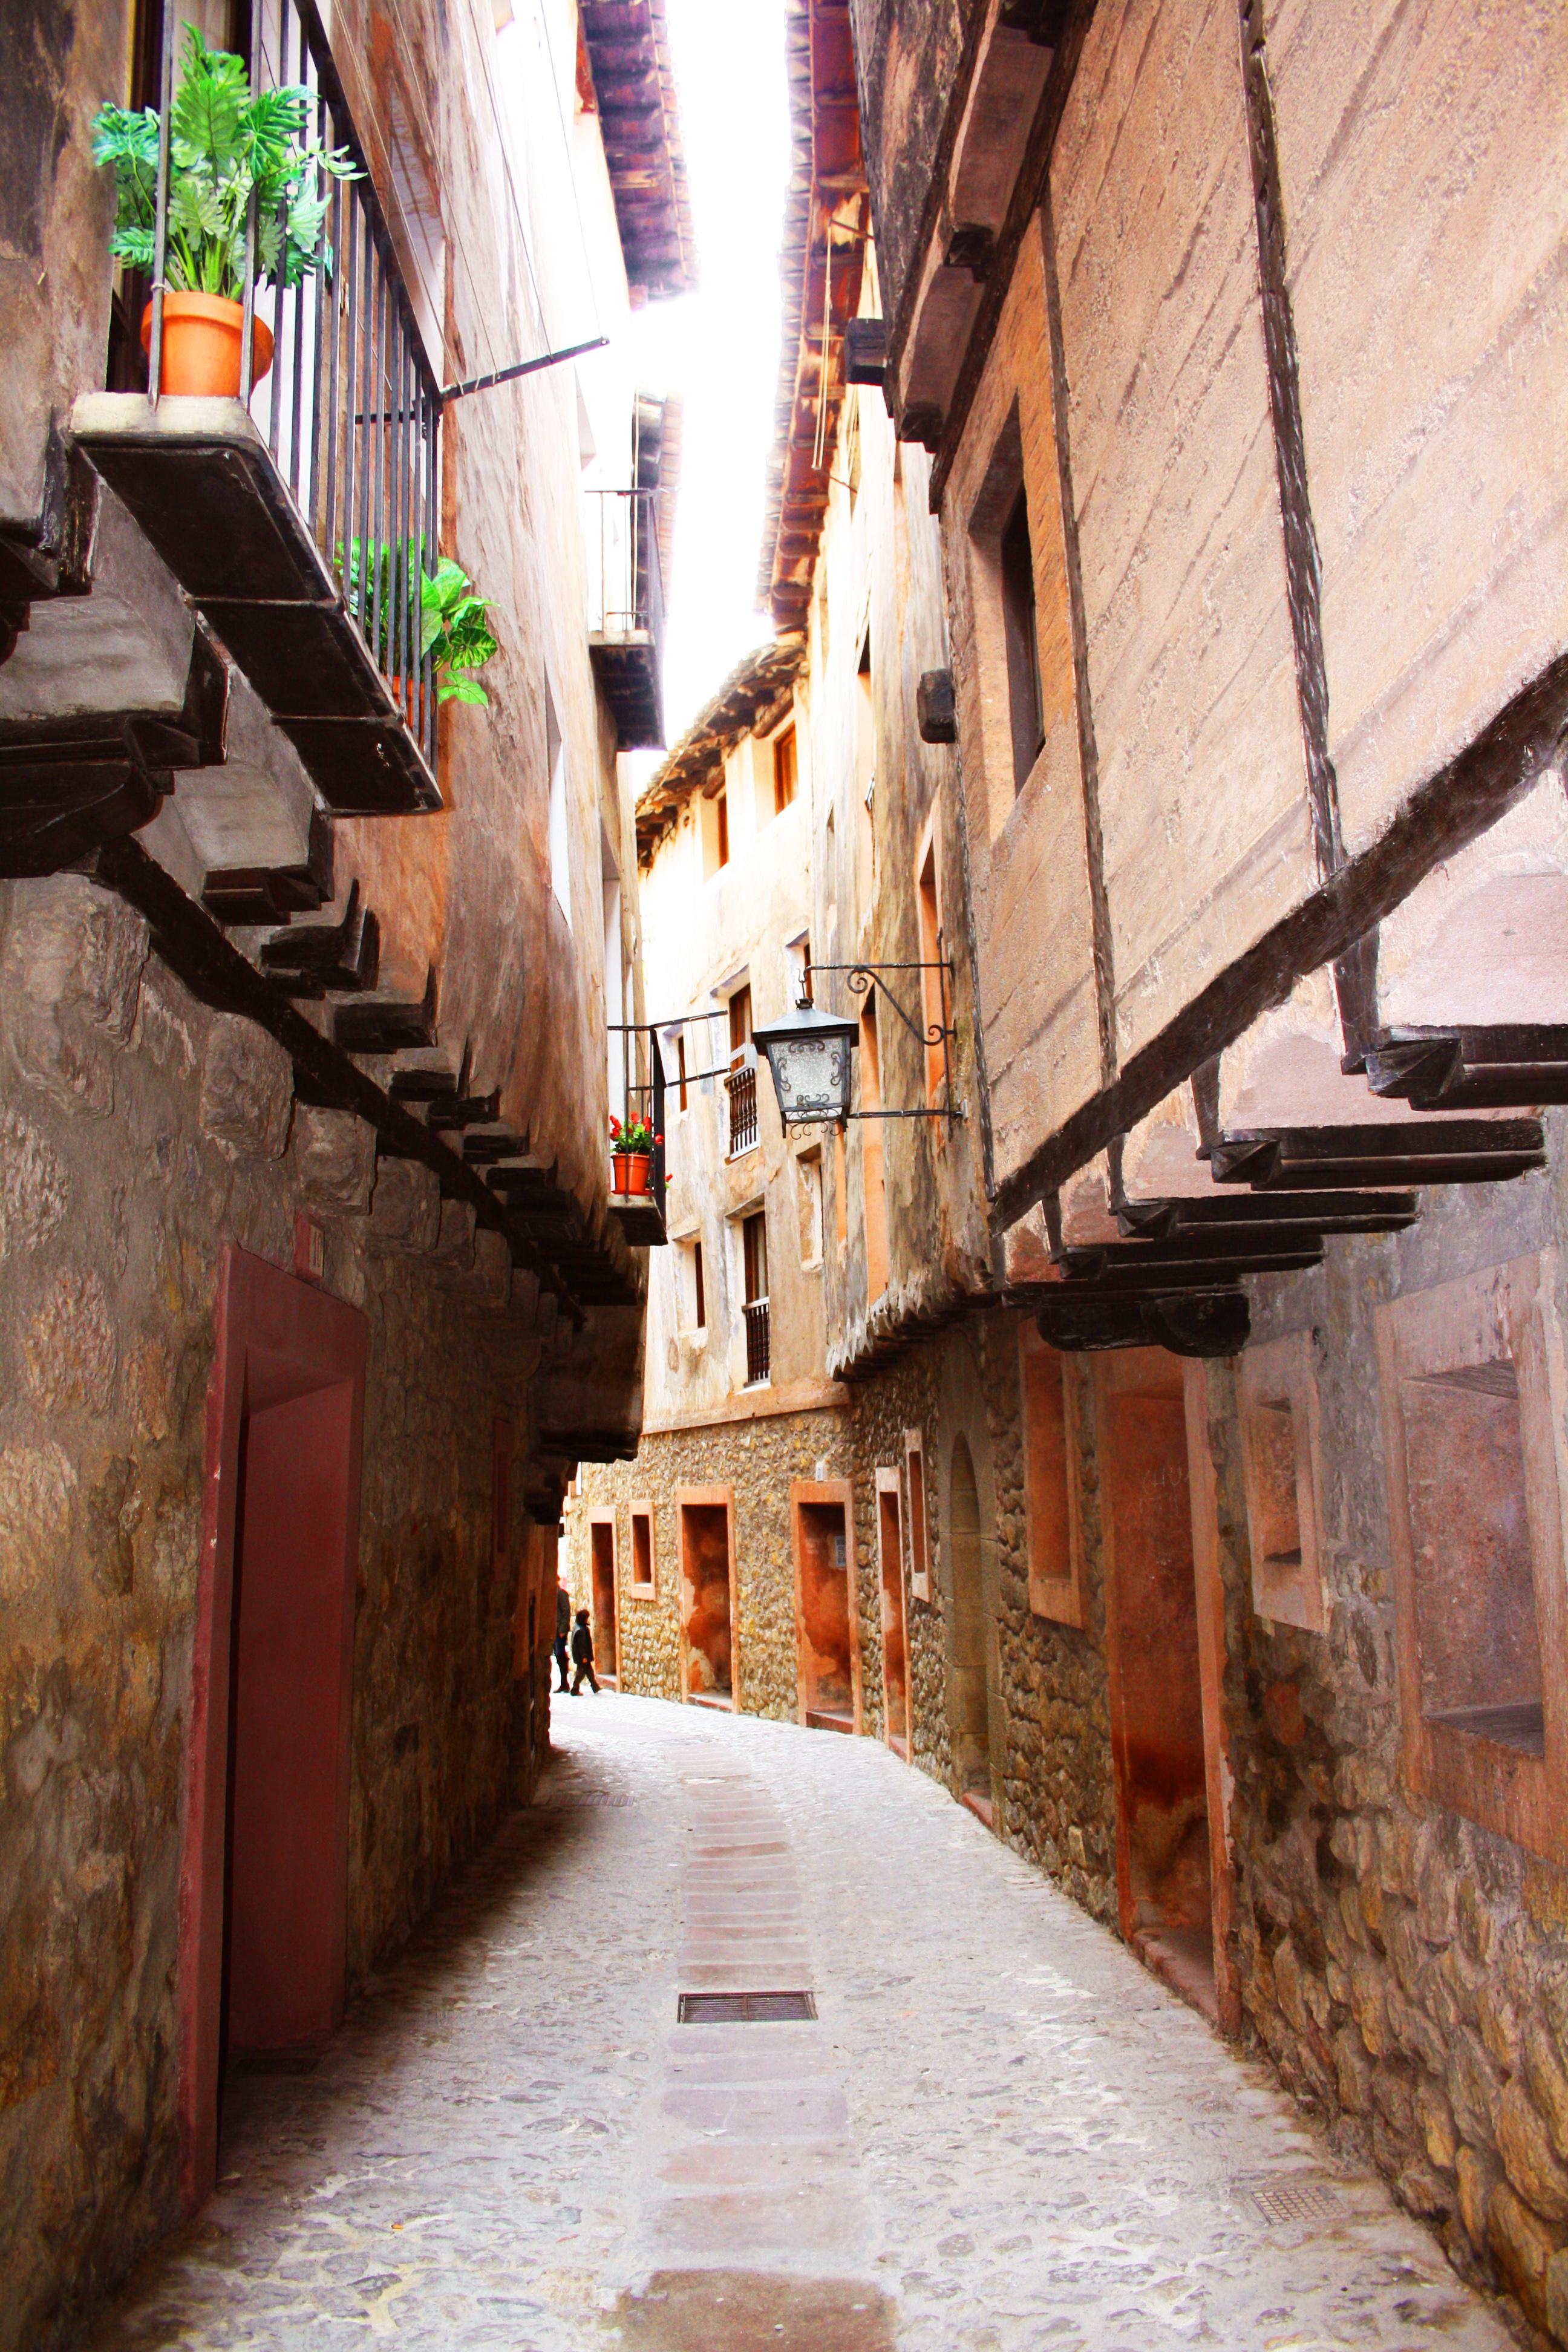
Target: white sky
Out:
[718,347]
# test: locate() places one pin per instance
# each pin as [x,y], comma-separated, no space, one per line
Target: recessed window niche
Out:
[1050,1480]
[1475,1479]
[1279,1459]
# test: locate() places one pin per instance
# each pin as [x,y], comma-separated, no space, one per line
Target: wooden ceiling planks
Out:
[628,49]
[826,213]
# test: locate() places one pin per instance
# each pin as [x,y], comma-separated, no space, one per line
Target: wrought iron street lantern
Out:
[809,1055]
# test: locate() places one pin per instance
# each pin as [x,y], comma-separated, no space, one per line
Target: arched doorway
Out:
[969,1704]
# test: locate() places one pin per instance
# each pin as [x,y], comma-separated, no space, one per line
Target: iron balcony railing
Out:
[626,580]
[742,1087]
[759,1346]
[349,411]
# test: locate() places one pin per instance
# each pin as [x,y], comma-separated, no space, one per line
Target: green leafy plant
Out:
[226,146]
[635,1135]
[452,624]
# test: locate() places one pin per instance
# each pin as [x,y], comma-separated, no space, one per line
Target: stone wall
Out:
[1406,1969]
[139,1133]
[757,1458]
[1059,1801]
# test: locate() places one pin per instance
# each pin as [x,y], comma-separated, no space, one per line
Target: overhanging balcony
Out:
[297,523]
[625,612]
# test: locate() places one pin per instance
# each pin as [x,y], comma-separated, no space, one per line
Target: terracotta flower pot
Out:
[620,1171]
[202,336]
[639,1171]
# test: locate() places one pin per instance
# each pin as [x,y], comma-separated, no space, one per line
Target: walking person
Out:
[562,1627]
[583,1655]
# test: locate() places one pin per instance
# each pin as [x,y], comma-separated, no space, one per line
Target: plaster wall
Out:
[1201,795]
[140,1131]
[1028,844]
[470,888]
[1432,366]
[881,588]
[705,933]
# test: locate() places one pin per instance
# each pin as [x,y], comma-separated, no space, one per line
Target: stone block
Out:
[1548,2082]
[35,1186]
[455,1242]
[1529,2158]
[1436,2118]
[1557,2296]
[1523,2244]
[1354,2072]
[492,1264]
[38,1493]
[70,1350]
[335,1153]
[406,1207]
[69,972]
[248,1089]
[1477,2171]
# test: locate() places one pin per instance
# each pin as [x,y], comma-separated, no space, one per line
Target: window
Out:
[740,1019]
[1468,1372]
[681,1079]
[694,1302]
[1025,700]
[933,997]
[754,1256]
[642,1586]
[555,756]
[920,1541]
[873,1178]
[784,770]
[1050,1480]
[721,820]
[1279,1403]
[755,1270]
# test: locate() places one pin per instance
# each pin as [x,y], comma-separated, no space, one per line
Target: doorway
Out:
[604,1596]
[264,1874]
[827,1634]
[895,1614]
[707,1595]
[969,1709]
[1163,1853]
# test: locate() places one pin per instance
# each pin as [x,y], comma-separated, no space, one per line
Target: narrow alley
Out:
[999,2132]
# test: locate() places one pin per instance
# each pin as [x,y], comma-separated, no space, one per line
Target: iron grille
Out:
[747,2007]
[626,582]
[350,410]
[743,1090]
[759,1348]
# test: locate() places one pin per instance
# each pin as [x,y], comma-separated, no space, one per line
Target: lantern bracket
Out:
[858,979]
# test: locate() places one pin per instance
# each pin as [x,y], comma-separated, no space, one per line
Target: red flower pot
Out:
[201,335]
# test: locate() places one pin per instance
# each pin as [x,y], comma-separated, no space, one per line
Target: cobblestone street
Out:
[1000,2133]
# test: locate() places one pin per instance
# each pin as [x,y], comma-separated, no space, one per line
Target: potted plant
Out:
[452,626]
[632,1146]
[227,150]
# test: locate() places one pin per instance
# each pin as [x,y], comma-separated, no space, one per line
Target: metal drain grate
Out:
[1291,2198]
[746,2008]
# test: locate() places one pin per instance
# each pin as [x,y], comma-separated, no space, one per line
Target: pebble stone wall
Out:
[1058,1796]
[757,1458]
[138,1133]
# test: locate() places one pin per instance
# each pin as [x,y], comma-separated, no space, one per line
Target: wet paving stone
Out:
[1001,2135]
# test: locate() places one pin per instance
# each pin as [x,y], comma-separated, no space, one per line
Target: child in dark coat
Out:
[583,1655]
